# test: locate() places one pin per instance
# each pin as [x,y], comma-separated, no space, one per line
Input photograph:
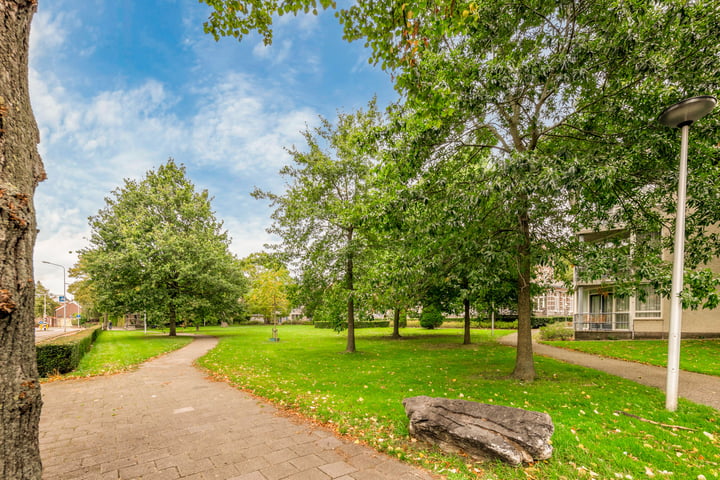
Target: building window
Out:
[647,303]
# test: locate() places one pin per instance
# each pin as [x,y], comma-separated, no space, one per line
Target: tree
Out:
[157,246]
[82,289]
[45,305]
[269,285]
[319,217]
[20,171]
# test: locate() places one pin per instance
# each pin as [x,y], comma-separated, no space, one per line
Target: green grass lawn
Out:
[119,350]
[699,356]
[361,395]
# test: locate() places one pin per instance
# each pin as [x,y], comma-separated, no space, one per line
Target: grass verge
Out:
[361,395]
[119,350]
[699,356]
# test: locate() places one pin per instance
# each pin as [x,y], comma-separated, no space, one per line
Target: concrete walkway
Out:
[166,421]
[696,387]
[52,332]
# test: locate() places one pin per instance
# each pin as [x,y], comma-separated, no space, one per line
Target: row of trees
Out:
[45,304]
[521,122]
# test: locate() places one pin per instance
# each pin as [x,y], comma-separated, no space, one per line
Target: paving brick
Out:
[337,469]
[280,456]
[138,470]
[279,471]
[364,461]
[190,467]
[250,476]
[252,465]
[312,474]
[308,461]
[167,474]
[221,473]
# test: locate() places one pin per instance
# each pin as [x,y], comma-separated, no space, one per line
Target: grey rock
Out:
[482,431]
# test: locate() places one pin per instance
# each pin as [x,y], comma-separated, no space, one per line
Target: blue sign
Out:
[61,298]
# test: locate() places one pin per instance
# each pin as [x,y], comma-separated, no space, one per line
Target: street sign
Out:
[61,299]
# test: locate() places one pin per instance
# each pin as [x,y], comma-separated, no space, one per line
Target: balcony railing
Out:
[602,322]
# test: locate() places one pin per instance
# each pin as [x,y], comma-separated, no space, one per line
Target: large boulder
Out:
[482,431]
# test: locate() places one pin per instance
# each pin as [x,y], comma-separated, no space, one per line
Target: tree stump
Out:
[482,431]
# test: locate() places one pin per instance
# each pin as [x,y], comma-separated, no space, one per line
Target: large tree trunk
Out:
[466,338]
[172,313]
[524,365]
[396,323]
[20,171]
[350,310]
[350,285]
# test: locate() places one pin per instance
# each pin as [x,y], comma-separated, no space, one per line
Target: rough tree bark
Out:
[396,323]
[466,308]
[20,171]
[524,364]
[172,318]
[350,286]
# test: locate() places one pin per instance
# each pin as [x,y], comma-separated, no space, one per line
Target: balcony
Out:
[602,322]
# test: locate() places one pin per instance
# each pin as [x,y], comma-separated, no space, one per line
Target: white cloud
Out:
[245,125]
[301,24]
[275,53]
[248,235]
[47,33]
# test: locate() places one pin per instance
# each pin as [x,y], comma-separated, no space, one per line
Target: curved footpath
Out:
[696,387]
[167,421]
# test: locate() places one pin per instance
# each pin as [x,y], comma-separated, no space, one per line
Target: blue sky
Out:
[118,87]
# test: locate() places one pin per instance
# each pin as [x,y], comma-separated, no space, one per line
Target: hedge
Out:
[63,354]
[510,322]
[362,324]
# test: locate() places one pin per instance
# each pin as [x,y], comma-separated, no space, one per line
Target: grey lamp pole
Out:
[64,295]
[681,115]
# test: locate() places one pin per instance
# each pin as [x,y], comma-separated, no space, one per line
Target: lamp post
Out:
[64,295]
[681,115]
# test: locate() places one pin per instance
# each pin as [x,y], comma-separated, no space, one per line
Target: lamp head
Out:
[688,111]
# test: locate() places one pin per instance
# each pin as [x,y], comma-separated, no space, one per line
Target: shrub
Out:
[511,321]
[538,322]
[556,331]
[499,324]
[431,317]
[63,354]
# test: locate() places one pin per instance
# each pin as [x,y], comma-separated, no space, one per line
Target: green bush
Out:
[431,317]
[510,322]
[63,354]
[358,324]
[556,331]
[499,324]
[538,322]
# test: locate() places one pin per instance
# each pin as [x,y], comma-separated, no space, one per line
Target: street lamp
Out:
[64,295]
[681,115]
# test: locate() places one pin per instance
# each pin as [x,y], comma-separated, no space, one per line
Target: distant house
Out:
[600,312]
[66,314]
[556,299]
[297,315]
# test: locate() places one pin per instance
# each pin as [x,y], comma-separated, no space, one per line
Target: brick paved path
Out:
[167,421]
